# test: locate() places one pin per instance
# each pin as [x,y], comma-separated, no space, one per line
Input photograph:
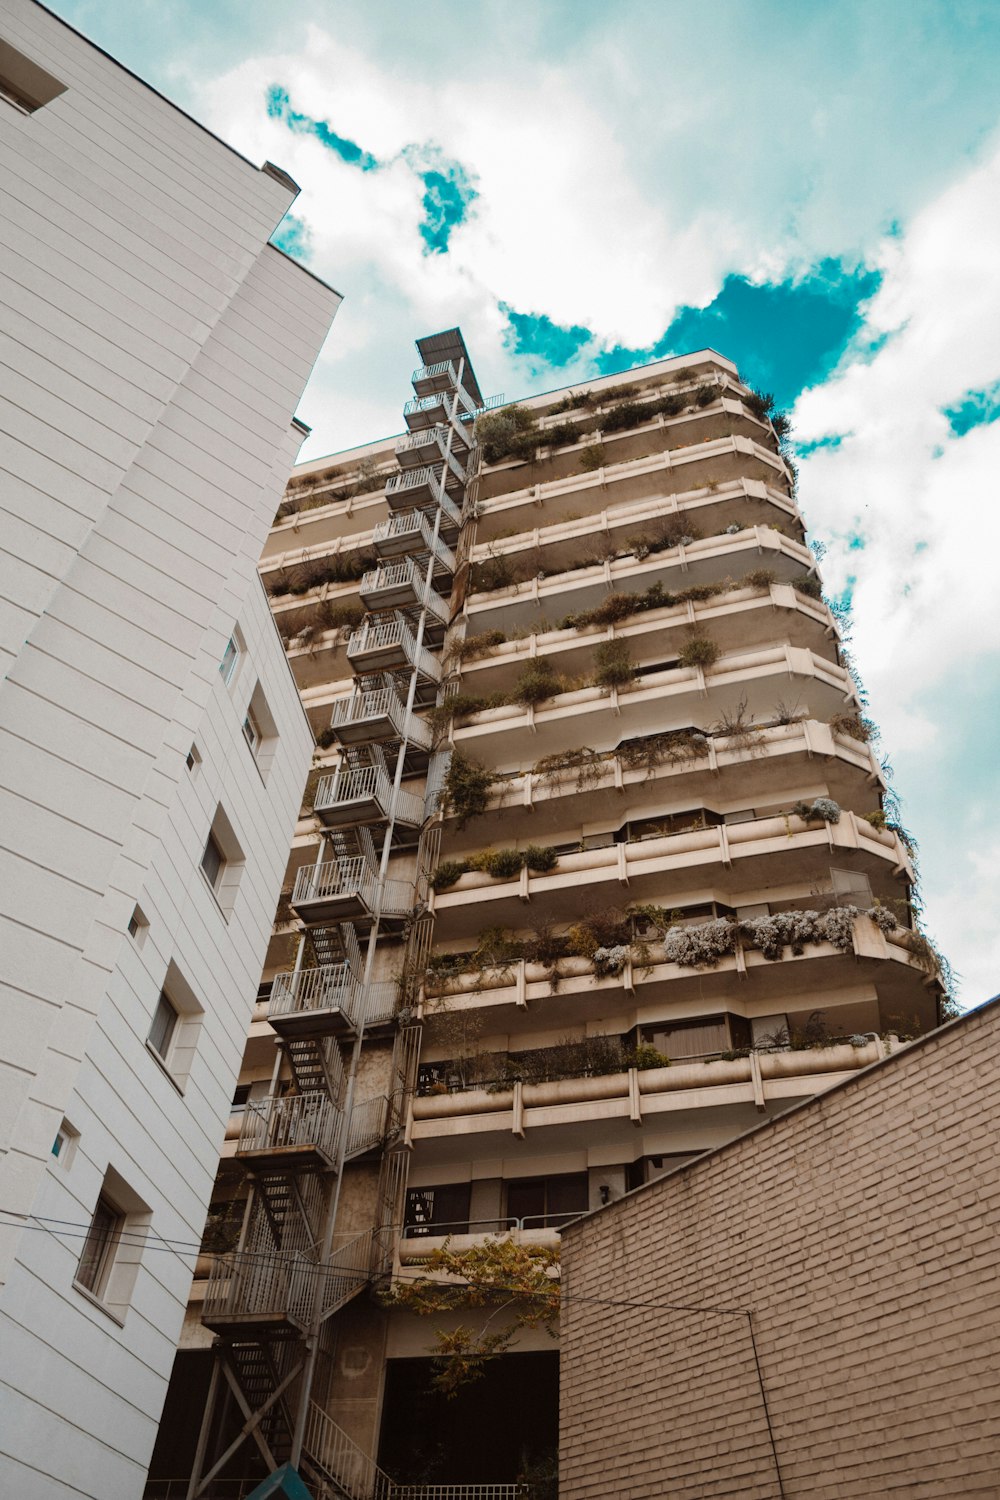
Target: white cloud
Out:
[925,501]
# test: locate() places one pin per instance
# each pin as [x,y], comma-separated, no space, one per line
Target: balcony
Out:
[704,560]
[657,702]
[777,762]
[615,1104]
[753,854]
[746,618]
[412,531]
[438,409]
[706,467]
[259,1294]
[402,585]
[563,545]
[881,984]
[363,797]
[349,890]
[328,1001]
[375,716]
[419,449]
[290,1132]
[429,379]
[421,487]
[388,645]
[418,1241]
[368,1124]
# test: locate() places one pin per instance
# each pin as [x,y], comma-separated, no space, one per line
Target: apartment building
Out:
[153,746]
[593,873]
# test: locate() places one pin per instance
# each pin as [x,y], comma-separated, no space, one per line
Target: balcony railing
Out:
[290,1126]
[440,376]
[367,1124]
[383,645]
[401,584]
[412,531]
[259,1289]
[363,795]
[379,715]
[346,888]
[328,990]
[418,449]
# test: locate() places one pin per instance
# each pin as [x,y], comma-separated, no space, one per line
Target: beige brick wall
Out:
[860,1231]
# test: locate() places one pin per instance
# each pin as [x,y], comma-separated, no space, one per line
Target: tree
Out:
[517,1283]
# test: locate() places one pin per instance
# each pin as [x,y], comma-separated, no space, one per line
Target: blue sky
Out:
[814,190]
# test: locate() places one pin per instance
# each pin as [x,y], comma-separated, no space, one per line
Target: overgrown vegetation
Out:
[613,665]
[699,651]
[510,432]
[501,864]
[467,784]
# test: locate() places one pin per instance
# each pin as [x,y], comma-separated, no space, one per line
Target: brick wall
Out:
[860,1232]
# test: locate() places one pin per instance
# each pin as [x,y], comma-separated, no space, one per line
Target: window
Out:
[112,1250]
[231,655]
[260,731]
[222,861]
[241,1096]
[213,861]
[138,926]
[851,887]
[64,1145]
[161,1033]
[546,1202]
[438,1210]
[99,1247]
[23,83]
[251,731]
[687,1039]
[193,759]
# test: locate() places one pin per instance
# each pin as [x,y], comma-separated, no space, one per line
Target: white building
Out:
[152,745]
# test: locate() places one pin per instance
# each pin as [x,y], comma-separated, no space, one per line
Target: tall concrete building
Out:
[152,745]
[592,874]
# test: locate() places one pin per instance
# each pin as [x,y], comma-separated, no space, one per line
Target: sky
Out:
[811,189]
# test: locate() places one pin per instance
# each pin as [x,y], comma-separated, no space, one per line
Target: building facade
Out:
[592,874]
[152,744]
[811,1310]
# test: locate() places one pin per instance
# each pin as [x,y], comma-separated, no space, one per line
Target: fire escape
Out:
[272,1302]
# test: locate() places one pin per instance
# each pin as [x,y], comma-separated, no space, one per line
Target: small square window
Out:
[64,1144]
[213,861]
[100,1247]
[192,760]
[138,926]
[161,1033]
[252,731]
[230,657]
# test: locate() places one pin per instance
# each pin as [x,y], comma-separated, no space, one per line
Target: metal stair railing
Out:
[287,1121]
[368,1123]
[329,987]
[336,877]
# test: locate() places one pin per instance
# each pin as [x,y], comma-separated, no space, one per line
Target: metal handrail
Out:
[428,372]
[336,877]
[382,635]
[367,1124]
[329,987]
[502,1225]
[383,703]
[253,1286]
[412,441]
[429,475]
[288,1121]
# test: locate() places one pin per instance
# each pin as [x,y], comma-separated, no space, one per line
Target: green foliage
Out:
[507,433]
[699,651]
[669,748]
[560,434]
[614,665]
[515,1284]
[575,401]
[448,873]
[540,859]
[477,645]
[759,578]
[592,457]
[467,788]
[583,763]
[535,685]
[502,864]
[647,1056]
[809,585]
[704,395]
[854,725]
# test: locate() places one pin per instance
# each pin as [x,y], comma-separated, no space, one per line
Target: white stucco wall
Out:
[152,351]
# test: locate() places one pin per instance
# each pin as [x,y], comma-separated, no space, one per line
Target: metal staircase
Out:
[271,1301]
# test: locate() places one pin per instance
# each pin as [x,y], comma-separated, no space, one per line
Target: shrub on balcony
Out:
[670,748]
[610,961]
[614,665]
[702,945]
[448,873]
[759,578]
[820,810]
[475,646]
[854,725]
[508,433]
[339,614]
[540,859]
[466,790]
[699,651]
[592,457]
[560,434]
[584,763]
[704,395]
[491,573]
[502,864]
[575,401]
[809,585]
[647,1056]
[536,684]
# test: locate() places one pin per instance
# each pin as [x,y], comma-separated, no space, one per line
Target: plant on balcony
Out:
[614,665]
[501,864]
[493,572]
[474,646]
[736,726]
[819,810]
[222,1227]
[508,433]
[705,944]
[516,1284]
[560,434]
[808,585]
[592,457]
[610,961]
[647,1056]
[574,401]
[536,684]
[584,764]
[672,747]
[339,614]
[704,395]
[854,725]
[540,859]
[759,578]
[699,651]
[466,792]
[448,873]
